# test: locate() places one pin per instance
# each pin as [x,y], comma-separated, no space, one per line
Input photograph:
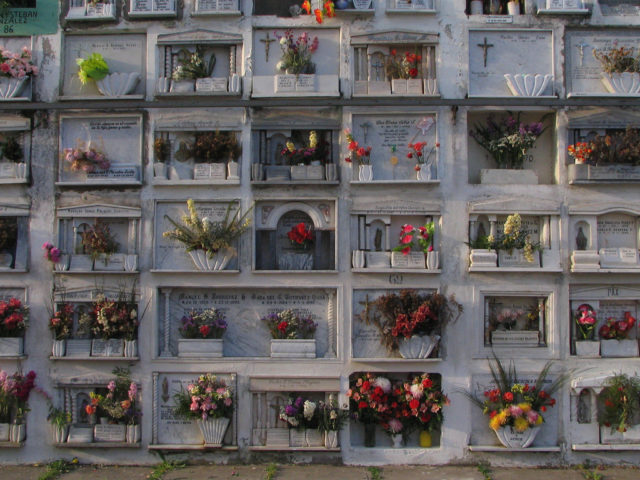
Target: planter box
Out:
[506,176]
[516,259]
[378,259]
[4,432]
[411,260]
[78,348]
[80,434]
[587,348]
[619,348]
[581,172]
[11,346]
[113,347]
[82,263]
[295,83]
[277,172]
[515,337]
[298,172]
[293,348]
[632,435]
[483,258]
[111,263]
[315,172]
[200,348]
[297,438]
[110,433]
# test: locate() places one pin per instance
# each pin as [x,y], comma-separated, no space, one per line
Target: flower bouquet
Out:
[202,334]
[513,237]
[369,402]
[614,341]
[15,69]
[211,244]
[13,323]
[14,404]
[423,162]
[300,256]
[61,325]
[585,319]
[411,323]
[404,72]
[331,419]
[423,236]
[301,416]
[99,244]
[619,416]
[617,148]
[621,70]
[118,402]
[209,401]
[95,68]
[296,53]
[85,159]
[291,335]
[516,409]
[111,322]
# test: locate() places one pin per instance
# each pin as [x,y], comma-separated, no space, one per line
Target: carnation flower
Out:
[383,383]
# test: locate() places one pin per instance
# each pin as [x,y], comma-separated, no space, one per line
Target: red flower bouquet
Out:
[617,329]
[61,323]
[410,234]
[369,397]
[13,318]
[585,321]
[301,236]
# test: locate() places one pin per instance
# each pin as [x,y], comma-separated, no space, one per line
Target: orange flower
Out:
[90,409]
[318,13]
[306,6]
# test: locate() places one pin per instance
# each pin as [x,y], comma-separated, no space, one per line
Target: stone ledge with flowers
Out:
[292,335]
[16,71]
[14,317]
[14,405]
[620,70]
[201,334]
[404,256]
[614,337]
[401,407]
[97,251]
[99,82]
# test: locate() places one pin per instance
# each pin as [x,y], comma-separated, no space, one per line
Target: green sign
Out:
[28,17]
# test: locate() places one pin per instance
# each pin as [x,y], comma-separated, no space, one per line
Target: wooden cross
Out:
[485,46]
[267,43]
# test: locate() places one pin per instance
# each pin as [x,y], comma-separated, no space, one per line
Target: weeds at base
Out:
[57,468]
[271,471]
[485,470]
[164,467]
[374,473]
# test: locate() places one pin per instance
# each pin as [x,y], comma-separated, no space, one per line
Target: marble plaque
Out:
[171,255]
[227,5]
[584,72]
[204,5]
[7,294]
[152,6]
[617,230]
[109,433]
[555,4]
[620,7]
[80,434]
[521,337]
[211,84]
[123,52]
[366,338]
[246,335]
[492,54]
[618,257]
[389,136]
[118,137]
[285,83]
[170,429]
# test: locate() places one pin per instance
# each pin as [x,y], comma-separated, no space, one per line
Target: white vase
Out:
[11,87]
[21,170]
[331,172]
[397,440]
[256,172]
[130,348]
[587,348]
[418,346]
[133,433]
[160,170]
[218,261]
[200,348]
[511,438]
[11,346]
[60,433]
[476,7]
[357,259]
[6,259]
[63,263]
[331,439]
[365,173]
[213,430]
[624,83]
[528,84]
[117,84]
[232,170]
[513,8]
[296,348]
[163,84]
[131,263]
[295,261]
[433,260]
[17,432]
[4,432]
[59,348]
[424,174]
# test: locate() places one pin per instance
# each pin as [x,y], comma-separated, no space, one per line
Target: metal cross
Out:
[485,46]
[580,47]
[267,43]
[377,67]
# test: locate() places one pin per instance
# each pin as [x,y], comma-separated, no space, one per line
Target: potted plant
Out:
[13,153]
[513,245]
[291,335]
[620,70]
[515,326]
[101,246]
[60,421]
[331,419]
[307,162]
[423,162]
[202,334]
[61,325]
[368,402]
[211,152]
[402,255]
[301,238]
[411,323]
[296,60]
[15,70]
[613,337]
[613,156]
[192,70]
[361,155]
[211,244]
[403,70]
[585,318]
[112,321]
[118,403]
[161,154]
[618,415]
[8,242]
[516,409]
[14,404]
[507,141]
[301,416]
[208,401]
[13,324]
[116,84]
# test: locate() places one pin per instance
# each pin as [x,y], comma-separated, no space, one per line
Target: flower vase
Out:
[365,173]
[160,170]
[369,435]
[433,260]
[117,84]
[331,172]
[622,83]
[130,348]
[513,8]
[218,261]
[4,432]
[60,433]
[256,172]
[63,263]
[17,432]
[418,346]
[232,170]
[357,259]
[424,174]
[511,438]
[397,440]
[133,433]
[59,348]
[295,261]
[331,439]
[213,430]
[11,87]
[425,439]
[313,437]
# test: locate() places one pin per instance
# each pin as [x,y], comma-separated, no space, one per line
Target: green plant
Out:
[93,67]
[193,65]
[163,468]
[374,473]
[58,417]
[57,468]
[618,60]
[485,471]
[620,399]
[296,53]
[271,471]
[197,233]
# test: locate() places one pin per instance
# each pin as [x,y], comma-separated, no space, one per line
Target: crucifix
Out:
[377,66]
[365,130]
[267,43]
[580,48]
[485,47]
